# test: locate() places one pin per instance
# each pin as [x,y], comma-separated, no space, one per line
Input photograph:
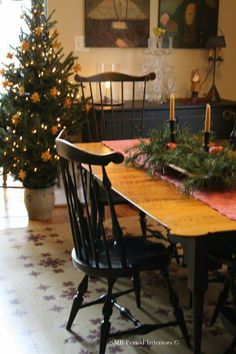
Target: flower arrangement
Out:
[158,31]
[37,102]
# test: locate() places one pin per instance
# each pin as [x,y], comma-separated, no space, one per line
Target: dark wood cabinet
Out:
[193,116]
[189,115]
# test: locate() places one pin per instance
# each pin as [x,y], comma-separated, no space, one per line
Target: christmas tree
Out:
[38,101]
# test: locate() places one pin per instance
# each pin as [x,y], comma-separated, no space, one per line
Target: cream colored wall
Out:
[226,82]
[70,17]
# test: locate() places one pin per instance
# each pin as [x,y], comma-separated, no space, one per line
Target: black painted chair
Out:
[114,106]
[100,257]
[225,254]
[226,311]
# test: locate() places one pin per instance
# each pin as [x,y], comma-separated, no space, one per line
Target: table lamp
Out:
[215,43]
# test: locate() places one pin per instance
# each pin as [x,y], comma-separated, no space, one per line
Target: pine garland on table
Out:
[204,171]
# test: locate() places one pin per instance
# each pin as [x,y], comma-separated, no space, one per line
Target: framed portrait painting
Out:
[189,22]
[117,23]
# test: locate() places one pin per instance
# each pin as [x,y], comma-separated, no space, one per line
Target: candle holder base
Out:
[173,126]
[232,138]
[206,141]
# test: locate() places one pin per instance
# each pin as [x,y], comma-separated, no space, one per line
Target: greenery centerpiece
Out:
[215,170]
[37,102]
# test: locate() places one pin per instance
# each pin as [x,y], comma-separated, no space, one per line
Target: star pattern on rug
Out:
[38,289]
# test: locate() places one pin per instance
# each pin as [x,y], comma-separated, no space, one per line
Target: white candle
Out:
[172,107]
[107,86]
[208,118]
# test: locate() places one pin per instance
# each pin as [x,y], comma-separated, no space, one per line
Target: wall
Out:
[70,17]
[227,76]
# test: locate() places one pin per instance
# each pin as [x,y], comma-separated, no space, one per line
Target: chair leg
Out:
[174,252]
[178,312]
[77,301]
[137,288]
[190,303]
[157,234]
[230,349]
[101,207]
[107,312]
[221,300]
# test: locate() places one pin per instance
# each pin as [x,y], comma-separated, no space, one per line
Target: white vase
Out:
[39,203]
[159,42]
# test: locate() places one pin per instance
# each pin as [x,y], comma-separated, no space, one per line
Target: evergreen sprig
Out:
[201,170]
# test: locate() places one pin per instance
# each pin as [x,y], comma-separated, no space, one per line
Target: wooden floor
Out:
[13,213]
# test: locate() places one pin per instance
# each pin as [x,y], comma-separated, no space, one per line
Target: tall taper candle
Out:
[172,107]
[208,118]
[107,86]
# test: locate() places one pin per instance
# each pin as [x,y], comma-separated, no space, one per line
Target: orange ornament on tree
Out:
[54,91]
[38,31]
[46,156]
[21,90]
[55,32]
[35,97]
[25,46]
[21,175]
[67,103]
[54,129]
[56,45]
[77,68]
[6,84]
[9,55]
[15,118]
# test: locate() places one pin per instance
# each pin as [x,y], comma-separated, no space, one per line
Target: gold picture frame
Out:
[117,23]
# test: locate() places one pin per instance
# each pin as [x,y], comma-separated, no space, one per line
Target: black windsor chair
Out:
[114,105]
[100,257]
[227,311]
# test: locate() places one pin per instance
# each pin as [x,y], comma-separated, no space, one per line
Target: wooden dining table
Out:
[188,221]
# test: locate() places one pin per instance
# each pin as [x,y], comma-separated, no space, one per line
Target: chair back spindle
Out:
[115,111]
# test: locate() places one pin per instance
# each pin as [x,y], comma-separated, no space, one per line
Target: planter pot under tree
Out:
[39,203]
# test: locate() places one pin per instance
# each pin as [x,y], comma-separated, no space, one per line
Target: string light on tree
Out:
[37,101]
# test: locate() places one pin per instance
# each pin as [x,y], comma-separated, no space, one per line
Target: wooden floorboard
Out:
[13,213]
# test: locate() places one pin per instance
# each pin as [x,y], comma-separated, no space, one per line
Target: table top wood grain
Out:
[180,213]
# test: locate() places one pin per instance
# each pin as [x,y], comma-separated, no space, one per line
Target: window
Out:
[10,24]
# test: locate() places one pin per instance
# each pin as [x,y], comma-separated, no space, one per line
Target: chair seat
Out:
[141,254]
[145,255]
[219,253]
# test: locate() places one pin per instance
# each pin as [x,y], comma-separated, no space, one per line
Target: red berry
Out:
[215,149]
[171,146]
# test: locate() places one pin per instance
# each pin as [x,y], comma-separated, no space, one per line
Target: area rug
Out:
[38,282]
